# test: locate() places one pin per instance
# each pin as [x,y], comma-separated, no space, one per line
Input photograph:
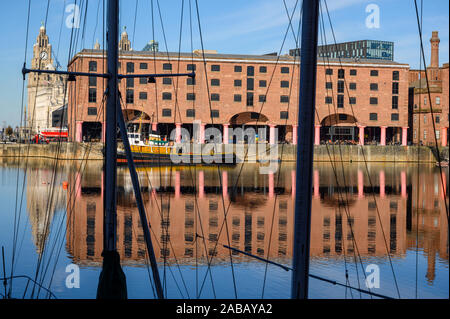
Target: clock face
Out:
[44,55]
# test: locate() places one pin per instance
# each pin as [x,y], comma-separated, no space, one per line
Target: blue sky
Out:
[232,26]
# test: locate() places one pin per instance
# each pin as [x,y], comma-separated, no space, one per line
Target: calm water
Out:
[399,224]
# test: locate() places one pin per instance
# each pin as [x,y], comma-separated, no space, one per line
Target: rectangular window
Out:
[438,119]
[374,100]
[92,66]
[237,82]
[284,115]
[214,113]
[262,83]
[92,81]
[284,84]
[143,66]
[328,100]
[329,71]
[167,96]
[215,67]
[438,100]
[237,68]
[215,97]
[130,67]
[373,116]
[394,87]
[340,87]
[167,112]
[424,134]
[249,99]
[352,72]
[395,102]
[284,99]
[130,83]
[341,73]
[142,95]
[284,69]
[191,67]
[190,113]
[262,69]
[250,84]
[352,86]
[262,98]
[190,96]
[130,97]
[394,117]
[167,81]
[340,101]
[395,75]
[352,100]
[374,86]
[143,80]
[167,66]
[190,81]
[373,72]
[92,111]
[237,98]
[92,95]
[215,82]
[250,71]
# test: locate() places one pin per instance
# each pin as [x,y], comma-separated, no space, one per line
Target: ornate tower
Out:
[124,43]
[434,73]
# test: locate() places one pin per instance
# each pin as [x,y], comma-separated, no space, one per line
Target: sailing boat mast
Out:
[305,149]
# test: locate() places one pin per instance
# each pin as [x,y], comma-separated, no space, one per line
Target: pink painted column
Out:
[316,183]
[294,134]
[178,132]
[79,132]
[293,183]
[403,183]
[317,134]
[382,184]
[202,133]
[225,133]
[154,127]
[383,135]
[360,184]
[404,136]
[78,185]
[444,136]
[272,133]
[201,184]
[361,135]
[271,185]
[225,183]
[177,184]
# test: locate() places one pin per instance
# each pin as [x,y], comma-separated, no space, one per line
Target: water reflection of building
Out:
[380,216]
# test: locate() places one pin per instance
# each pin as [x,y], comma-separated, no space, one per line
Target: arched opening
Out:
[137,121]
[339,128]
[254,125]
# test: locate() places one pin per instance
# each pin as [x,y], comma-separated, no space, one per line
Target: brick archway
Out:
[340,119]
[249,118]
[135,116]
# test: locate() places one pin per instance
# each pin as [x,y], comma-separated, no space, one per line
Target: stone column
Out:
[272,134]
[317,135]
[202,133]
[383,135]
[178,132]
[404,136]
[79,132]
[294,134]
[225,133]
[361,135]
[154,127]
[444,136]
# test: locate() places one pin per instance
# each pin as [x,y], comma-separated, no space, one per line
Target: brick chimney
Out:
[434,63]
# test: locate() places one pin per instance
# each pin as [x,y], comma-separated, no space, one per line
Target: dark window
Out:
[215,97]
[214,113]
[373,116]
[395,75]
[190,96]
[92,95]
[328,85]
[143,66]
[352,72]
[142,95]
[341,73]
[284,115]
[374,86]
[237,82]
[191,67]
[250,84]
[284,99]
[143,80]
[92,66]
[394,87]
[167,66]
[284,84]
[437,119]
[340,87]
[262,98]
[190,113]
[394,117]
[167,96]
[373,100]
[167,81]
[92,111]
[328,100]
[167,112]
[130,67]
[130,83]
[352,100]
[342,117]
[237,68]
[284,69]
[130,96]
[340,101]
[254,116]
[92,81]
[237,98]
[190,81]
[215,82]
[262,69]
[215,67]
[262,83]
[329,71]
[352,86]
[250,71]
[249,99]
[373,72]
[395,102]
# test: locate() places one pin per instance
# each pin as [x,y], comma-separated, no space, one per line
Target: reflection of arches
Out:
[135,116]
[338,120]
[249,118]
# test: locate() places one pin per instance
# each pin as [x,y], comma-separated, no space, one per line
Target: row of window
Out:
[353,72]
[352,100]
[374,116]
[352,86]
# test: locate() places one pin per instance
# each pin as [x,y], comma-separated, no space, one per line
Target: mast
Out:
[305,149]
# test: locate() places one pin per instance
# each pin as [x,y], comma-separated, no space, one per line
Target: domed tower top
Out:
[124,43]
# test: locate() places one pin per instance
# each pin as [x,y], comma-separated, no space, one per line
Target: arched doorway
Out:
[339,127]
[137,121]
[255,127]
